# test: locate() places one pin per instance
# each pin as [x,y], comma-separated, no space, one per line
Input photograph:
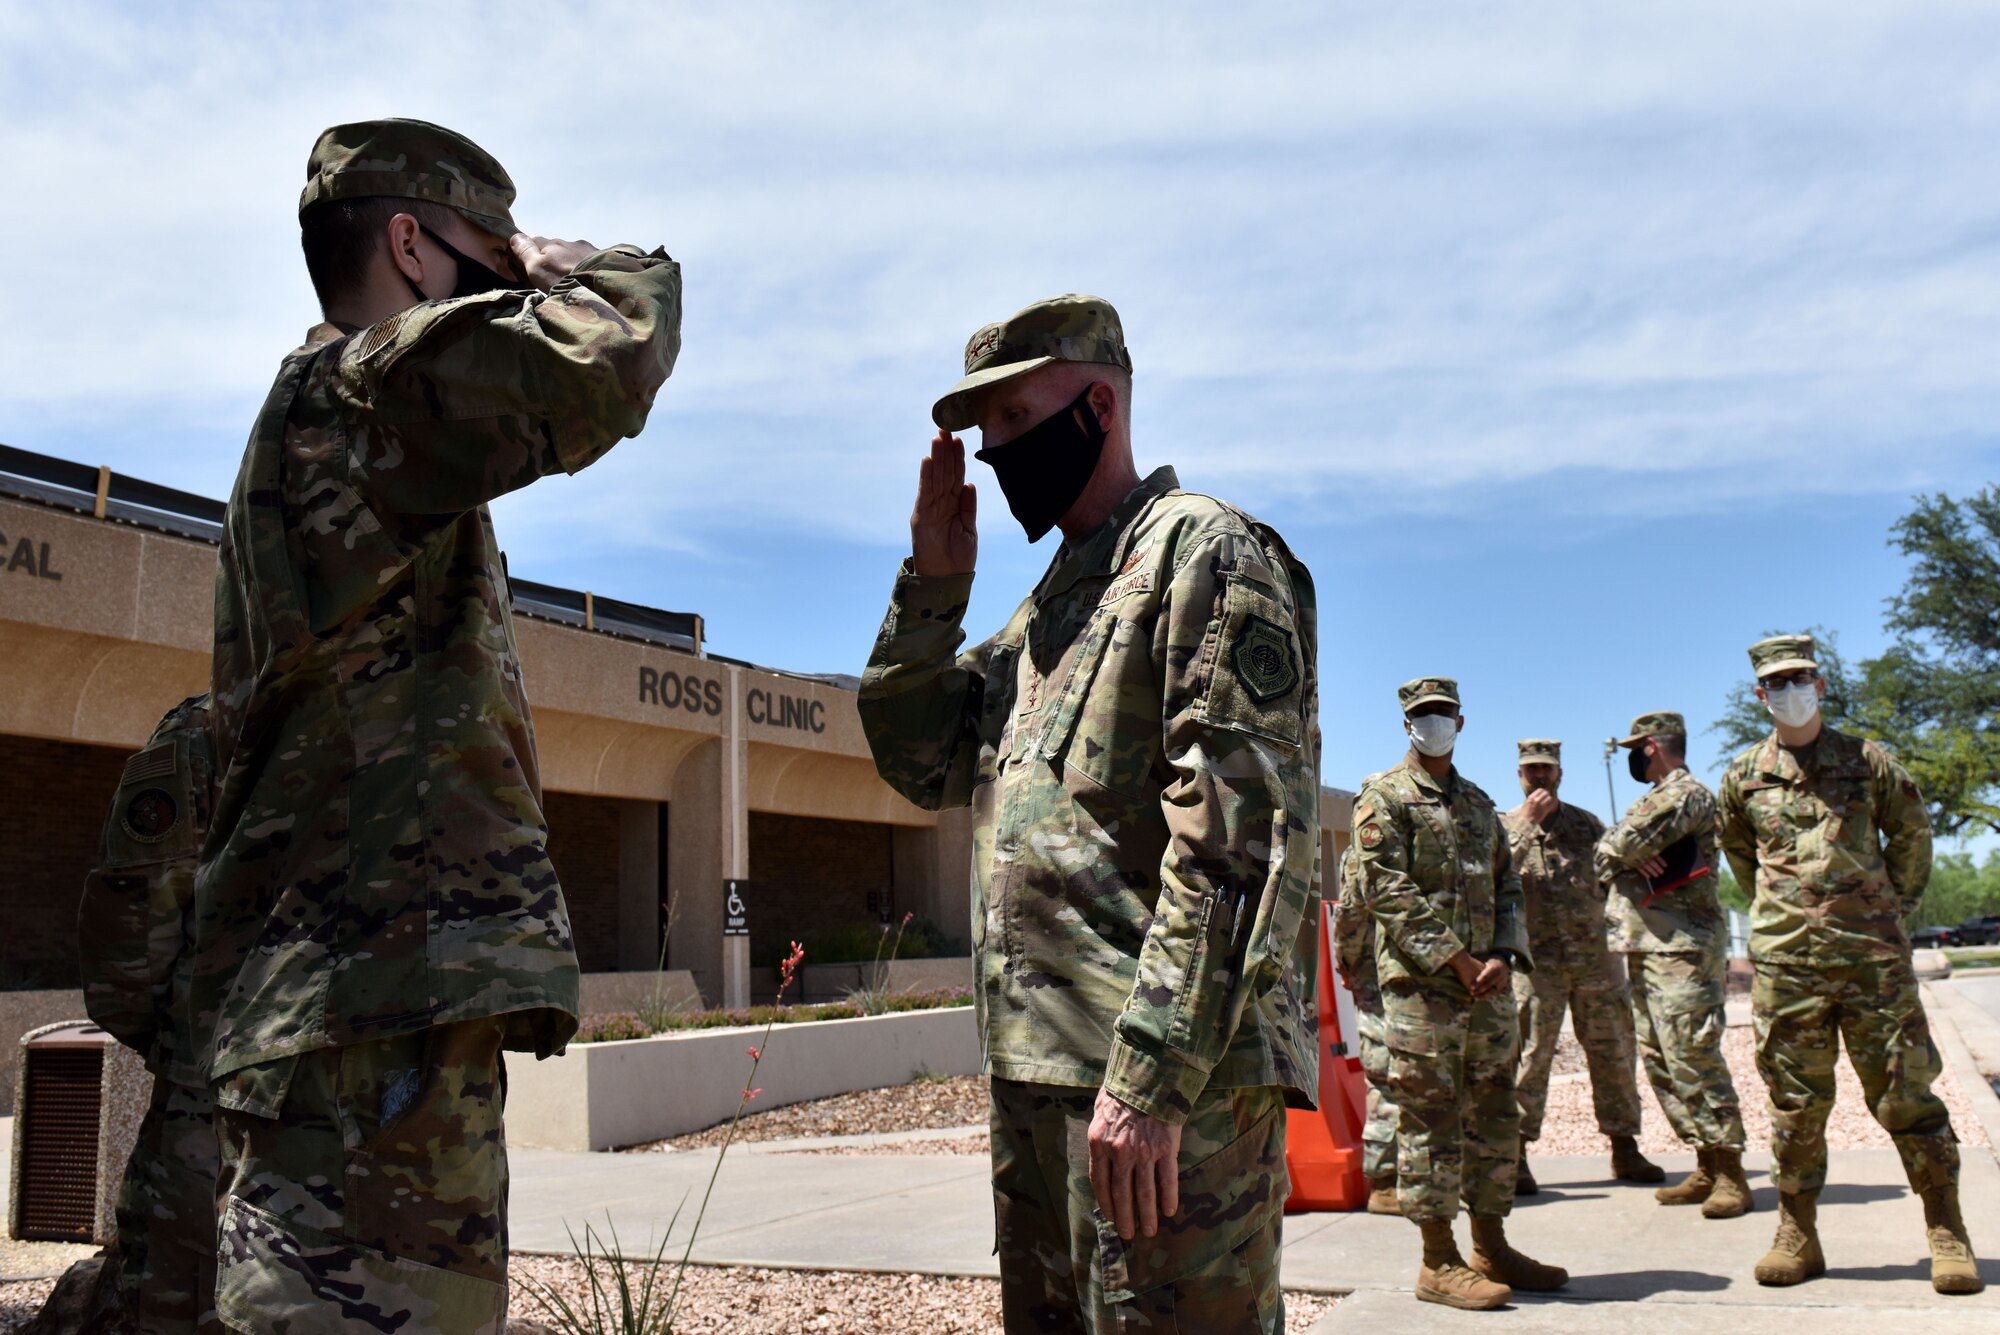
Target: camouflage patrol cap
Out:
[405,159]
[1659,723]
[1069,328]
[1782,653]
[1540,751]
[1426,689]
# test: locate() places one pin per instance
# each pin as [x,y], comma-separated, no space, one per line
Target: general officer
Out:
[1554,846]
[1435,869]
[1139,744]
[1836,840]
[378,860]
[1658,869]
[1354,956]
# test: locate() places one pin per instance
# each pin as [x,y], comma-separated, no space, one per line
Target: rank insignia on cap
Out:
[1264,661]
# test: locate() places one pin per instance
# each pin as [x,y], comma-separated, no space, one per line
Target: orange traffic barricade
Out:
[1323,1147]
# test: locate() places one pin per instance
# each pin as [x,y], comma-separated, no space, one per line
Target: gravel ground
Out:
[782,1302]
[923,1105]
[767,1302]
[1570,1127]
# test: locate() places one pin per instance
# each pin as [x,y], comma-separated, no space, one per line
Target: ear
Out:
[1461,723]
[401,234]
[1763,695]
[1104,405]
[1819,685]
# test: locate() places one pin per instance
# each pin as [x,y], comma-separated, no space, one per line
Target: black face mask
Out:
[1635,761]
[1043,470]
[473,277]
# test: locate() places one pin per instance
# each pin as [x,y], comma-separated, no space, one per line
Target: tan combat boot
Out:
[1493,1257]
[1445,1278]
[1524,1178]
[1795,1255]
[1628,1165]
[1695,1187]
[1382,1197]
[1730,1196]
[1953,1267]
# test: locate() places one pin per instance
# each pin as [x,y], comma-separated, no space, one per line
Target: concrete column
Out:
[933,871]
[638,885]
[708,841]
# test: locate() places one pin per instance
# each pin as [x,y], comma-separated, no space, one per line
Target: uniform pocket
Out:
[1226,1200]
[1260,677]
[274,1275]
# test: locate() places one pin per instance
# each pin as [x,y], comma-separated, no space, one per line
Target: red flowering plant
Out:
[614,1303]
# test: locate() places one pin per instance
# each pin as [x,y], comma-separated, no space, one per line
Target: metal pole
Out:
[1610,750]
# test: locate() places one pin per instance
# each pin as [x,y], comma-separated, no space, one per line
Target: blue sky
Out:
[1572,345]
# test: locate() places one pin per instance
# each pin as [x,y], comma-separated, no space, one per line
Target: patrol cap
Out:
[405,159]
[1069,328]
[1426,689]
[1659,723]
[1540,751]
[1782,653]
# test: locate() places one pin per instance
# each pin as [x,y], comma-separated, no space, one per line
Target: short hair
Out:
[340,235]
[1674,744]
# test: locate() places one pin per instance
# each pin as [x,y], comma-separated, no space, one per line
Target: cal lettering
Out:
[24,558]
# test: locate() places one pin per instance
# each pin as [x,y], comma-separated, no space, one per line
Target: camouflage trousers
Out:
[1802,1014]
[166,1215]
[1212,1267]
[1591,989]
[365,1188]
[1678,1014]
[1451,1071]
[1378,1133]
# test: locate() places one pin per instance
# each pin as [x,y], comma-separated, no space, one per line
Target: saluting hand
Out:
[546,261]
[944,533]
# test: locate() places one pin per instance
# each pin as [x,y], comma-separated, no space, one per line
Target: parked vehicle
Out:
[1980,931]
[1934,938]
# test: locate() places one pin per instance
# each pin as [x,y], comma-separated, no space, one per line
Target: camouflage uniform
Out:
[1354,948]
[1837,843]
[1139,746]
[1677,948]
[379,863]
[1574,972]
[1435,869]
[133,934]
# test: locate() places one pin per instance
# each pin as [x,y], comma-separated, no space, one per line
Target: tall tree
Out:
[1937,690]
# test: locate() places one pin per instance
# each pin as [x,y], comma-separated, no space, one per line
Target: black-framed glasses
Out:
[1777,681]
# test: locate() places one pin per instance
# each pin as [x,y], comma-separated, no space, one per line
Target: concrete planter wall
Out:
[23,1011]
[834,982]
[598,1096]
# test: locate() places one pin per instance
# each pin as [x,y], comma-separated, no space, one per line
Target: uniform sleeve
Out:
[921,702]
[1735,834]
[1510,906]
[1661,817]
[1350,920]
[1239,709]
[1403,913]
[458,402]
[1905,823]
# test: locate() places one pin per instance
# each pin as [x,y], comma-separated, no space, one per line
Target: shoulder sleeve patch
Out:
[1370,835]
[1265,660]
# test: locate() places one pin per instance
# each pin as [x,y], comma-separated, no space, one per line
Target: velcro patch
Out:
[1371,835]
[1139,581]
[1264,660]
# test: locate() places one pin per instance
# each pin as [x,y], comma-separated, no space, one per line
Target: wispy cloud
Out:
[1416,252]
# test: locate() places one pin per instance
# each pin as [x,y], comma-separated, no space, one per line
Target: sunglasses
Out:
[1779,681]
